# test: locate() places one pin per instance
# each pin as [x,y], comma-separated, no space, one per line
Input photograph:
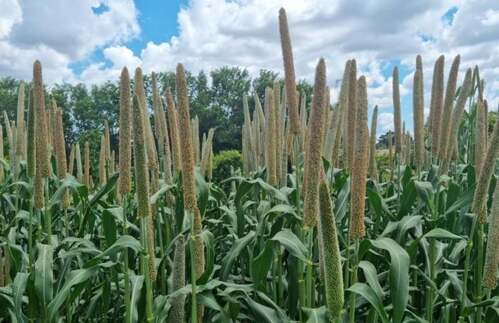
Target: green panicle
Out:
[450,93]
[187,151]
[125,134]
[492,251]
[328,237]
[397,114]
[140,162]
[31,143]
[289,72]
[177,311]
[313,161]
[359,165]
[373,171]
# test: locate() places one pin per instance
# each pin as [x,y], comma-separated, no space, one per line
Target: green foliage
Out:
[383,142]
[222,163]
[218,104]
[421,260]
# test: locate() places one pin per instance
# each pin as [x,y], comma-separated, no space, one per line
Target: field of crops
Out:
[315,226]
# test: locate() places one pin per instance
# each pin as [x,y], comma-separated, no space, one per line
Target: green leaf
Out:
[18,288]
[440,233]
[425,192]
[162,191]
[234,252]
[407,198]
[371,276]
[266,313]
[44,276]
[316,315]
[68,183]
[378,203]
[122,243]
[292,244]
[463,201]
[406,223]
[399,275]
[136,283]
[261,264]
[75,278]
[109,226]
[373,299]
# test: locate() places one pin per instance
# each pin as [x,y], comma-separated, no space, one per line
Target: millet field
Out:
[312,221]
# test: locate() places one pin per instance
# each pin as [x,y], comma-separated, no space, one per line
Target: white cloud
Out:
[491,18]
[11,15]
[59,33]
[385,122]
[213,33]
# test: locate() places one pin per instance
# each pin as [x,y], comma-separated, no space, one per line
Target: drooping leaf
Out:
[399,275]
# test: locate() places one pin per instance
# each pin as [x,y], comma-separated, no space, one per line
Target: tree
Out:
[229,84]
[383,140]
[217,104]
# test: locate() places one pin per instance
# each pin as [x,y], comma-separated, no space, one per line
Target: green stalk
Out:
[478,272]
[351,316]
[309,283]
[30,238]
[162,247]
[469,246]
[194,305]
[48,214]
[429,292]
[145,271]
[280,289]
[125,262]
[301,281]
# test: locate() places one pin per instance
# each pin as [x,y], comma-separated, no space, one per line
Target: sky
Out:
[89,41]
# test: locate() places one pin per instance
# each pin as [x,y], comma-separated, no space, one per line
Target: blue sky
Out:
[91,40]
[158,23]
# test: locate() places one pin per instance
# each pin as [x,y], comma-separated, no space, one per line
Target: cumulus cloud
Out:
[385,122]
[11,15]
[213,33]
[60,34]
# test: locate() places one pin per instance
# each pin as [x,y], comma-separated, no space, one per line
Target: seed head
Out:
[41,134]
[177,311]
[418,112]
[396,110]
[351,117]
[79,164]
[174,130]
[486,172]
[437,97]
[456,120]
[20,148]
[31,142]
[87,177]
[333,279]
[102,162]
[480,136]
[450,92]
[313,160]
[125,134]
[372,154]
[187,151]
[60,147]
[289,72]
[2,172]
[360,165]
[207,152]
[270,142]
[140,161]
[492,252]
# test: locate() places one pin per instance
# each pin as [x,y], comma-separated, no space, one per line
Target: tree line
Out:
[217,101]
